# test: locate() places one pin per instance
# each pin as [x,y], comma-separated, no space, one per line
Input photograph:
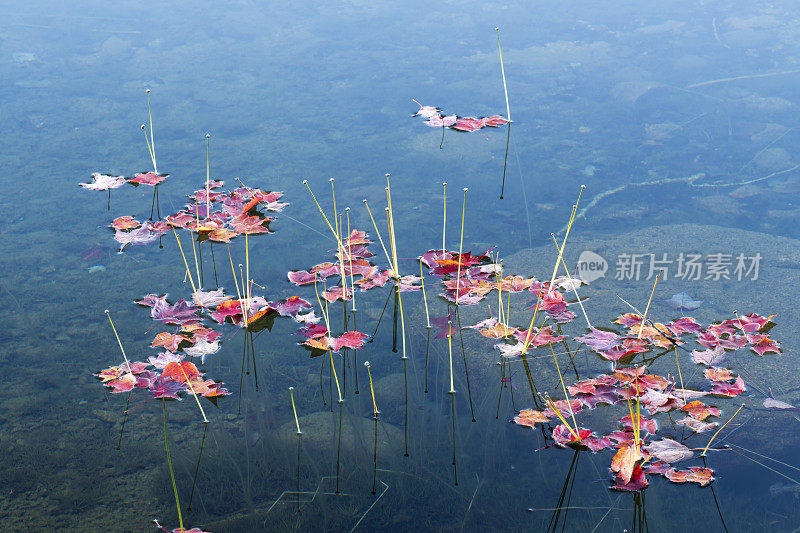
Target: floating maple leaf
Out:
[147,178]
[139,236]
[772,403]
[752,323]
[762,344]
[597,443]
[124,383]
[565,436]
[164,358]
[709,357]
[696,425]
[699,410]
[150,300]
[291,306]
[438,121]
[493,329]
[564,407]
[201,349]
[637,481]
[599,340]
[426,111]
[494,121]
[169,341]
[179,313]
[209,298]
[250,225]
[660,402]
[307,318]
[600,394]
[445,323]
[181,372]
[351,339]
[530,417]
[624,461]
[669,451]
[125,223]
[629,319]
[718,374]
[684,325]
[338,293]
[409,283]
[313,331]
[695,474]
[728,389]
[228,308]
[163,388]
[649,425]
[538,338]
[102,182]
[468,124]
[301,277]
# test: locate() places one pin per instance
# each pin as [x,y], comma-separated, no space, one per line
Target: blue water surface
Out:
[679,117]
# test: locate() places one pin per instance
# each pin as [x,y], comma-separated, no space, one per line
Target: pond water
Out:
[679,118]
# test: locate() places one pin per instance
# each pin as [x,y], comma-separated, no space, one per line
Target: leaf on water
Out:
[209,298]
[164,358]
[125,223]
[625,460]
[180,371]
[169,341]
[147,178]
[771,403]
[351,339]
[201,349]
[179,313]
[139,236]
[695,474]
[699,410]
[291,306]
[728,389]
[709,357]
[669,451]
[762,344]
[696,425]
[637,480]
[530,417]
[716,373]
[102,182]
[565,436]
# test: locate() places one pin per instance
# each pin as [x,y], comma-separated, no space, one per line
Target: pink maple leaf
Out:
[291,306]
[494,121]
[351,339]
[148,178]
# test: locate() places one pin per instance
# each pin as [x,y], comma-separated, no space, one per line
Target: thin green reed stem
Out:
[171,473]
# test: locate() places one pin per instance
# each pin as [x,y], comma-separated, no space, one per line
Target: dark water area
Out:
[679,118]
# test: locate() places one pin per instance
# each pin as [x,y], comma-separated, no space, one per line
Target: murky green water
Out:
[633,101]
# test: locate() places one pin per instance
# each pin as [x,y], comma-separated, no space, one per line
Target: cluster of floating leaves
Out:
[634,388]
[435,119]
[213,215]
[465,279]
[104,182]
[238,212]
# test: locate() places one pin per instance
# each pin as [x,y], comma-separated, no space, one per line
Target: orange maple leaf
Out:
[625,459]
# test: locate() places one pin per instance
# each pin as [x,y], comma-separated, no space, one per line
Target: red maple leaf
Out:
[148,178]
